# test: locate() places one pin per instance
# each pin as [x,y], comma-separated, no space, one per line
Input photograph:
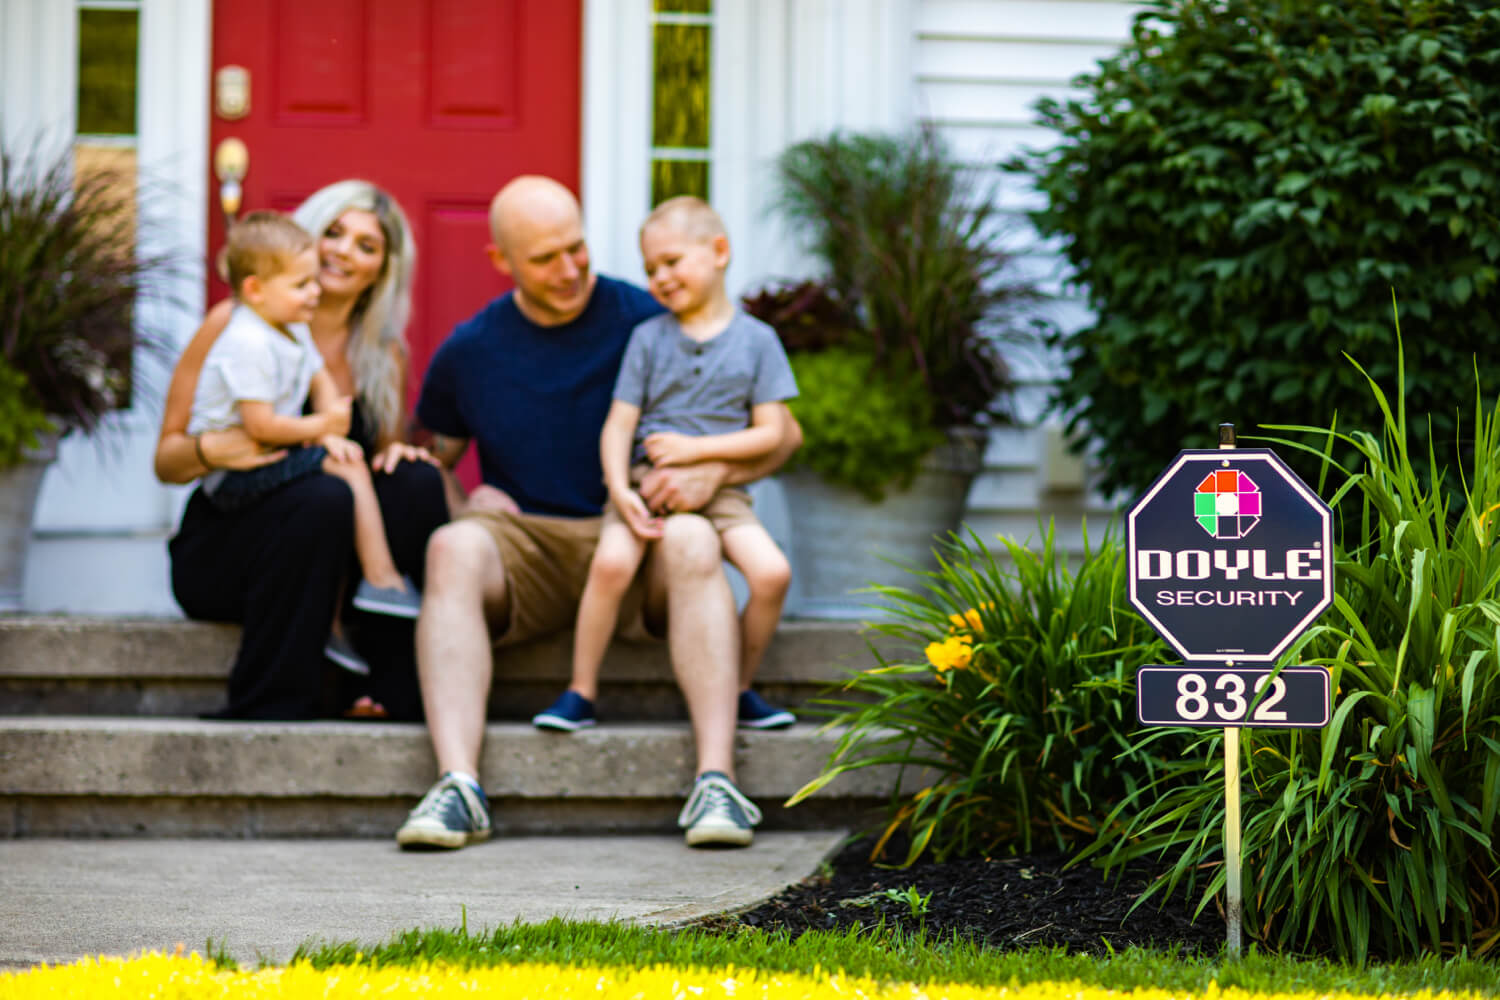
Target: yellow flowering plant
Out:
[1004,689]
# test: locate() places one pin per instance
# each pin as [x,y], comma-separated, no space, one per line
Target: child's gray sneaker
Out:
[389,600]
[453,813]
[717,814]
[342,651]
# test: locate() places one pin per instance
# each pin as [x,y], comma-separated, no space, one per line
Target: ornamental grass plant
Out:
[71,279]
[1006,699]
[916,279]
[1374,836]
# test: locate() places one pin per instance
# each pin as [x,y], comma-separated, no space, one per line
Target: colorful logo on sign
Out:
[1226,504]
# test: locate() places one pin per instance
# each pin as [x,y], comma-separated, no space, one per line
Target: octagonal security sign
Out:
[1231,555]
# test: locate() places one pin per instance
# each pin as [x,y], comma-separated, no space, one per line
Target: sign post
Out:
[1231,558]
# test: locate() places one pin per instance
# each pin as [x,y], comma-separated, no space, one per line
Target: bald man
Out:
[529,381]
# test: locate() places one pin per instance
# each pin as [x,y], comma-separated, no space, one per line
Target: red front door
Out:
[437,101]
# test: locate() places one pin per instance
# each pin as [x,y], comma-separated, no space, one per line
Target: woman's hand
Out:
[397,452]
[336,419]
[234,448]
[341,449]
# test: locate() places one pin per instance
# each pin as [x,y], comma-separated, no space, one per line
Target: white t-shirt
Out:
[252,360]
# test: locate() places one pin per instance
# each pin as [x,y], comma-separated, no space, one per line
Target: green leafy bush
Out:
[21,420]
[864,427]
[1375,835]
[1011,703]
[1241,187]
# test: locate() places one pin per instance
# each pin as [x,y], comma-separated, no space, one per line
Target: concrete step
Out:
[170,667]
[155,777]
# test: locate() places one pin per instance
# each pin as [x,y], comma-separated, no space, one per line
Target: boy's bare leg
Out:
[751,550]
[685,582]
[465,591]
[616,559]
[369,527]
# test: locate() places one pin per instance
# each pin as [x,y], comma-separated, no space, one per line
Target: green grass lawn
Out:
[560,958]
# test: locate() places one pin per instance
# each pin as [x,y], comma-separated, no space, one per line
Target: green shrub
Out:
[1241,187]
[1011,703]
[21,419]
[1375,835]
[864,427]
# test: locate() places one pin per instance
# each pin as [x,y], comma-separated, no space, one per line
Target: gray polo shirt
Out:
[703,388]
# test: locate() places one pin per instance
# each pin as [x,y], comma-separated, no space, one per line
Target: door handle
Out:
[231,163]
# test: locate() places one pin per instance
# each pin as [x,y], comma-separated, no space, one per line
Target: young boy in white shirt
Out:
[259,373]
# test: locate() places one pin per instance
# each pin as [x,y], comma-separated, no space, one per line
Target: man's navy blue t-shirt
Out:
[533,398]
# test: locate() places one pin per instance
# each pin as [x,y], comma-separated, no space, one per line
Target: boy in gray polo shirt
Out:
[704,382]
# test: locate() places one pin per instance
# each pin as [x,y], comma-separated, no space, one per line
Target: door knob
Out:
[231,163]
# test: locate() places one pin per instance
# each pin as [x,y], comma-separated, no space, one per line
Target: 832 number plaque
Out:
[1296,698]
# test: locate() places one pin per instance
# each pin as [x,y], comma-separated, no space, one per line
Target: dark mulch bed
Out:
[1005,903]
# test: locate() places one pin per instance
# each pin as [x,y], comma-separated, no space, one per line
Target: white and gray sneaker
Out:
[717,814]
[453,813]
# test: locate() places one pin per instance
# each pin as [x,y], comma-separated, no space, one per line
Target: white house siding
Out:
[979,67]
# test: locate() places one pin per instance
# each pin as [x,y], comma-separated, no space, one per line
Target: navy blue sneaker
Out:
[570,711]
[757,713]
[453,813]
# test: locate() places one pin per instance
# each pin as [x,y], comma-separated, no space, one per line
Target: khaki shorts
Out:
[546,562]
[728,508]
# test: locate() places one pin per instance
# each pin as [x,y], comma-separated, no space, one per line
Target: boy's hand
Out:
[666,448]
[637,518]
[341,449]
[336,418]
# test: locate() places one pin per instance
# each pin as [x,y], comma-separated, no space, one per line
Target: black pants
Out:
[278,568]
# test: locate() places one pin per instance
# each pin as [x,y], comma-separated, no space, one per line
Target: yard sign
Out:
[1231,559]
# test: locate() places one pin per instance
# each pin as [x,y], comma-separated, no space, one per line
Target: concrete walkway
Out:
[259,899]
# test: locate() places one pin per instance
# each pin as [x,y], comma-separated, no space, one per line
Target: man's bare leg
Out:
[685,580]
[465,590]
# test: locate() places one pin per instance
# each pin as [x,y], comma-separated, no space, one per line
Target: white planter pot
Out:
[19,487]
[842,543]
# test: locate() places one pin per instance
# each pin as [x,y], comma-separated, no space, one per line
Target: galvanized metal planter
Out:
[842,542]
[19,487]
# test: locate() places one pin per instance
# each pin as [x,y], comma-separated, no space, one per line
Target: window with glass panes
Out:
[108,48]
[681,46]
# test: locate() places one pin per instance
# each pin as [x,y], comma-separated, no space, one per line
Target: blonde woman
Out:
[278,566]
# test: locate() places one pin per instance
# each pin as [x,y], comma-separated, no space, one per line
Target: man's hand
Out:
[666,448]
[637,517]
[397,452]
[679,489]
[485,497]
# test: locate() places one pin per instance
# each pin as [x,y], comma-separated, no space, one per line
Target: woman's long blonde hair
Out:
[378,321]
